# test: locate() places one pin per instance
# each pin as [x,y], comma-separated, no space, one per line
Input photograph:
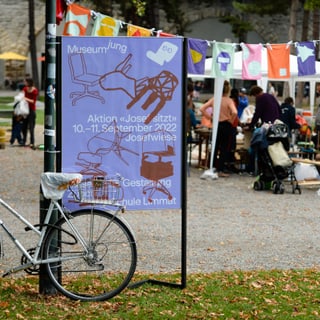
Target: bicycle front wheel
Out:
[97,259]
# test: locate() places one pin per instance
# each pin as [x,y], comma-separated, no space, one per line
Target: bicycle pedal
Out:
[99,266]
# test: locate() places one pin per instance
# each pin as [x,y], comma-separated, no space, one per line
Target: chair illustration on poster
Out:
[118,79]
[145,91]
[158,89]
[81,76]
[100,145]
[156,163]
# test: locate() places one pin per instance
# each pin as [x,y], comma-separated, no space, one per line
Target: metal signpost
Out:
[45,285]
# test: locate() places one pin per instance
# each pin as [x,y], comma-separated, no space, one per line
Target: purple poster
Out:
[122,103]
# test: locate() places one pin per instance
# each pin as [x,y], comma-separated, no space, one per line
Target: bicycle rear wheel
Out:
[99,270]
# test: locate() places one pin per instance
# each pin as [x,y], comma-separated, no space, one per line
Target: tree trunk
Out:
[292,35]
[33,48]
[305,25]
[315,31]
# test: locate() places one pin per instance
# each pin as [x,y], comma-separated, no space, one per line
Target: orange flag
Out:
[134,31]
[77,20]
[278,61]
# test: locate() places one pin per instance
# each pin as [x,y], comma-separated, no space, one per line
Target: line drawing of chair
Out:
[90,162]
[156,90]
[153,167]
[80,75]
[146,92]
[100,145]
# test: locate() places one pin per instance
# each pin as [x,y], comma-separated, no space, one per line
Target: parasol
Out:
[9,55]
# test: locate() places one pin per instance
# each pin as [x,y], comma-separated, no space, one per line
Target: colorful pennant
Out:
[251,61]
[222,60]
[77,20]
[135,31]
[105,26]
[164,34]
[60,10]
[197,50]
[278,61]
[306,58]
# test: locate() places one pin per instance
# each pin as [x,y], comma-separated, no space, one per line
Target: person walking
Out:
[30,95]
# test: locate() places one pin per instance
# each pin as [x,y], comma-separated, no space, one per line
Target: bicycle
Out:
[90,254]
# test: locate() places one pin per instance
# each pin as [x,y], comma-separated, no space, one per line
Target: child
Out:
[16,127]
[17,122]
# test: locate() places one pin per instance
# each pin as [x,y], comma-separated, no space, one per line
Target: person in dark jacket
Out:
[288,114]
[267,107]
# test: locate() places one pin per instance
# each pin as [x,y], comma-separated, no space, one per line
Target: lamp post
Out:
[45,285]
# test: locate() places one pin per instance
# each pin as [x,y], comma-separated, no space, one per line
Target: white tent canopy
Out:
[237,74]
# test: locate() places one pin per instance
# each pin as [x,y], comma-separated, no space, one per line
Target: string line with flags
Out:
[78,17]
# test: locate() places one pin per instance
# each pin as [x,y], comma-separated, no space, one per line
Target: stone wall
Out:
[272,29]
[14,34]
[14,24]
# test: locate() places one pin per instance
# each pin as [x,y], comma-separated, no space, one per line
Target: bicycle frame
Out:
[36,259]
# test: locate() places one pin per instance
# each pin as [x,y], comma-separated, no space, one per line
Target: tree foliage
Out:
[146,13]
[311,4]
[263,7]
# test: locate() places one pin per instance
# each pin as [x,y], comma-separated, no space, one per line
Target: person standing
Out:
[227,116]
[192,122]
[243,101]
[271,89]
[30,95]
[288,114]
[206,111]
[234,95]
[267,107]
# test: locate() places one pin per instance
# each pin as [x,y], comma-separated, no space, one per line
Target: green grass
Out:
[292,294]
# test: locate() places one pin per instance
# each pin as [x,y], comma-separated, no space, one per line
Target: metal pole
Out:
[45,286]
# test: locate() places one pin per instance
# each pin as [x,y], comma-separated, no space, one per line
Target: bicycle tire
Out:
[108,266]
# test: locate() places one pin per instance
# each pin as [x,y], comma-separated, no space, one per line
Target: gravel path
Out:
[230,226]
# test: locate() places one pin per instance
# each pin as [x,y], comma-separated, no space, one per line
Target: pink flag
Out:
[251,61]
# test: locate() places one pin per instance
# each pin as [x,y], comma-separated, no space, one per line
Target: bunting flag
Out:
[77,20]
[222,60]
[105,26]
[135,31]
[306,58]
[197,50]
[60,10]
[251,61]
[278,61]
[164,34]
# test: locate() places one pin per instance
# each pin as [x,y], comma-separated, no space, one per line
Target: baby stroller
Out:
[270,144]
